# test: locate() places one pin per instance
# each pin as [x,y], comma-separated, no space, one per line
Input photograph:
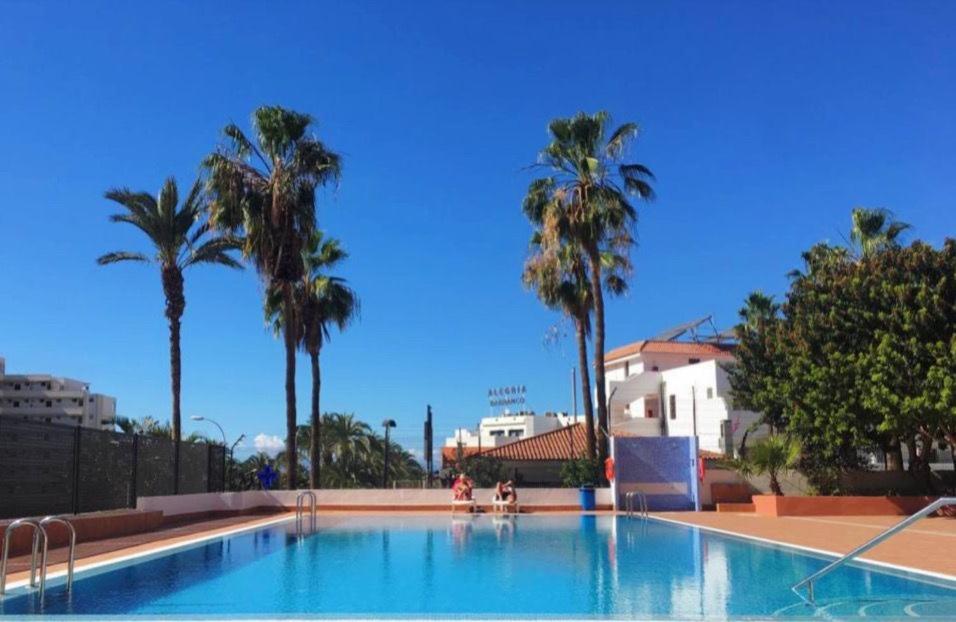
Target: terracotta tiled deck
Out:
[929,545]
[103,550]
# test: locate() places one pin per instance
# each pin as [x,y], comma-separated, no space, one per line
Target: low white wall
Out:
[215,502]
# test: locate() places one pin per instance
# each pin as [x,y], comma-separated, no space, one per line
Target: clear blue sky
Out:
[765,124]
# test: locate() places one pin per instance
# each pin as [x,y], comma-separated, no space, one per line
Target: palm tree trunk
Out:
[585,385]
[175,305]
[314,438]
[597,291]
[289,332]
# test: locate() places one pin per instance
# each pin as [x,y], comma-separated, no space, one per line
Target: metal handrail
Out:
[300,509]
[629,502]
[869,544]
[38,533]
[71,560]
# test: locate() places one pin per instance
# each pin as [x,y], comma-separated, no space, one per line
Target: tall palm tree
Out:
[322,301]
[181,240]
[558,274]
[265,191]
[873,230]
[592,188]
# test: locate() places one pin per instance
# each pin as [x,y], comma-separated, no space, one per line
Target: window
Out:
[650,413]
[692,361]
[655,368]
[673,407]
[515,433]
[49,403]
[627,368]
[497,433]
[16,387]
[710,393]
[16,404]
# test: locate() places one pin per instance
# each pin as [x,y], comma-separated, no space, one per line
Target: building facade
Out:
[673,388]
[500,430]
[52,399]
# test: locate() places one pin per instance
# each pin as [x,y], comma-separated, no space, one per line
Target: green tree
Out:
[874,230]
[180,239]
[591,188]
[265,192]
[321,301]
[558,274]
[758,373]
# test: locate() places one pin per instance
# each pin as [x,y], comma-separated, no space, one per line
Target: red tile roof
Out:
[669,347]
[550,446]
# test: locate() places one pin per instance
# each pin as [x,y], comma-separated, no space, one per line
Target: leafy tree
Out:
[265,192]
[180,239]
[485,471]
[579,472]
[149,426]
[321,301]
[758,372]
[591,188]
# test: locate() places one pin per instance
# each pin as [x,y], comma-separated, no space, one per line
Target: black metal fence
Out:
[47,468]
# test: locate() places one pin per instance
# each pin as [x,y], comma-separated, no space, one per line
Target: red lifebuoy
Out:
[609,469]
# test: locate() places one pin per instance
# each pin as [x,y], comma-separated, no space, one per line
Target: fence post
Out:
[208,467]
[133,473]
[225,465]
[76,469]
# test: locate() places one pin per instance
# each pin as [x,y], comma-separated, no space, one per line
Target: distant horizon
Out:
[764,129]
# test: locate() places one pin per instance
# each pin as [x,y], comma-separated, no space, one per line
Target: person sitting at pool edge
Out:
[506,492]
[462,488]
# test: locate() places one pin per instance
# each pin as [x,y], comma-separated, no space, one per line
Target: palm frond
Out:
[118,256]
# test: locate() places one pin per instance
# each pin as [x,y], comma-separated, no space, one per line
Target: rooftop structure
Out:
[54,399]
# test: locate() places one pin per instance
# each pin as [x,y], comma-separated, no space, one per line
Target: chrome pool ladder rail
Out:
[300,509]
[869,544]
[629,503]
[39,533]
[71,559]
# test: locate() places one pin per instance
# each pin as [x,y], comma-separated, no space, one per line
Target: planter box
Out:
[736,507]
[770,505]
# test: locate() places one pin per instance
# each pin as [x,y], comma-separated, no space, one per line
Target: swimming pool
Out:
[528,566]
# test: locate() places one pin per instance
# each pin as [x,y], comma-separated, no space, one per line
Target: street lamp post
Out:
[388,423]
[224,443]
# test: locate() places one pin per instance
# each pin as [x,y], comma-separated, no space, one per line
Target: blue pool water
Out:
[562,566]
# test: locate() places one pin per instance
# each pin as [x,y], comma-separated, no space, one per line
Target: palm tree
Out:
[321,301]
[558,274]
[181,240]
[592,189]
[772,456]
[265,191]
[874,230]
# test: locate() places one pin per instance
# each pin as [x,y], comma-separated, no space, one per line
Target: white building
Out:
[674,388]
[502,429]
[51,399]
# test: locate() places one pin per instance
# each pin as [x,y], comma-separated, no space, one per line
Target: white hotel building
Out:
[51,399]
[675,388]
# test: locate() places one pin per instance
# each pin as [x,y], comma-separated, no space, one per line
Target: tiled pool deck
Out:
[928,546]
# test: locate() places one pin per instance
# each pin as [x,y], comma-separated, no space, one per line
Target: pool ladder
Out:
[629,498]
[300,511]
[40,537]
[869,544]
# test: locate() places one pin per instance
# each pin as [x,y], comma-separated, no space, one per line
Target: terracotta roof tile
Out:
[554,445]
[669,347]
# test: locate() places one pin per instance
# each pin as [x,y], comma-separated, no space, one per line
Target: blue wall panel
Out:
[663,468]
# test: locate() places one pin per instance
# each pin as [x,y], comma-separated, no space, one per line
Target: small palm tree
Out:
[874,230]
[591,187]
[772,456]
[265,192]
[181,240]
[322,301]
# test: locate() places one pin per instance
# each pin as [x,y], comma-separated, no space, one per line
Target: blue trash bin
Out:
[586,494]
